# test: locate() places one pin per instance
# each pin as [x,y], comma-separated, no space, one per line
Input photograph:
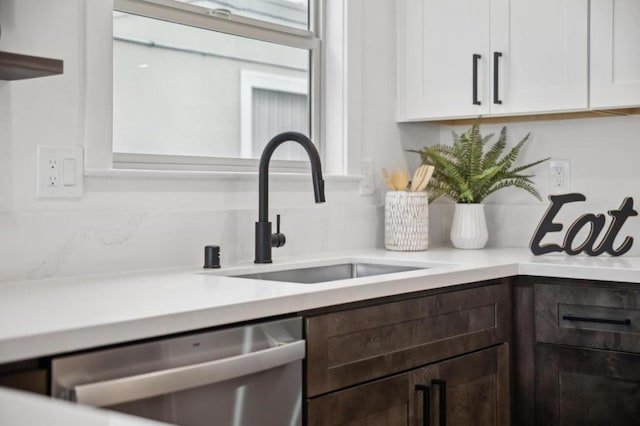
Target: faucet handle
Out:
[278,239]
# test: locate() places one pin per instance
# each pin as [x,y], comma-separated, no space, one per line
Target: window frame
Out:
[221,21]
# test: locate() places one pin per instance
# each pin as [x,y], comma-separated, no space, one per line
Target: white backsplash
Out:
[65,244]
[604,156]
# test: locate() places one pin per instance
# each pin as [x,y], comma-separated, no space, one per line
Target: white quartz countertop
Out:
[48,317]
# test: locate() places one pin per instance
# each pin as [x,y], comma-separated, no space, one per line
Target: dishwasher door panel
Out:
[271,397]
[241,376]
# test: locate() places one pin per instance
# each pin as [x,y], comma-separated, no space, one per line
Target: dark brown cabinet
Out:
[27,376]
[603,317]
[587,387]
[471,389]
[452,347]
[382,402]
[587,353]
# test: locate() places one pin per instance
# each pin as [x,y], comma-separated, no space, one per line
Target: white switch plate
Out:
[59,172]
[559,176]
[366,181]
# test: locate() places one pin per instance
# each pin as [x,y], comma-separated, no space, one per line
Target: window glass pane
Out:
[292,13]
[180,90]
[274,112]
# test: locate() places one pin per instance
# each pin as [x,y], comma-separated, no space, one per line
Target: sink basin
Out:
[318,274]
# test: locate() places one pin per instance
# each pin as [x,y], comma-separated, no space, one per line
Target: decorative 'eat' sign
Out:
[596,223]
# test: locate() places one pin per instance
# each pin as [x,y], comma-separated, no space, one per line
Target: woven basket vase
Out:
[406,221]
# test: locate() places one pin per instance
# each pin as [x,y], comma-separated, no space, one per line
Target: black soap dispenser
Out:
[211,257]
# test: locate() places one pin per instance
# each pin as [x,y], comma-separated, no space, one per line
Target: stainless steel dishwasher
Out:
[249,375]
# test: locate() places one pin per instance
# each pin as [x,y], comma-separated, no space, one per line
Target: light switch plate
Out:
[366,181]
[59,172]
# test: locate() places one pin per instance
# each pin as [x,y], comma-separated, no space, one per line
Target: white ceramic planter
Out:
[406,221]
[469,229]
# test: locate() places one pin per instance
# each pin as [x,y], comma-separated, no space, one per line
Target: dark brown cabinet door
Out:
[475,388]
[577,386]
[472,389]
[380,403]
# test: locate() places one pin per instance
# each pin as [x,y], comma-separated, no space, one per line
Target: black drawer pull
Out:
[626,321]
[426,401]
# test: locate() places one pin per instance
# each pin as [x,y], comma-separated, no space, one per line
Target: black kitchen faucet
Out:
[264,238]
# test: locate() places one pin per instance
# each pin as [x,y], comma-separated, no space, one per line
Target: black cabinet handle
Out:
[442,408]
[476,58]
[625,321]
[426,401]
[496,77]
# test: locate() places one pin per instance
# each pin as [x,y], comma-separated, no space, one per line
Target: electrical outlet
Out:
[366,181]
[52,180]
[559,176]
[52,172]
[59,172]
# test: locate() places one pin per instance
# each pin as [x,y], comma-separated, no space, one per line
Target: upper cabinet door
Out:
[539,57]
[465,58]
[443,57]
[615,53]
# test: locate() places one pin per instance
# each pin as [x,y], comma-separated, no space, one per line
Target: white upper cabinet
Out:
[615,53]
[544,62]
[462,59]
[440,43]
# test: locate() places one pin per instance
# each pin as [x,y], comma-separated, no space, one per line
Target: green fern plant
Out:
[465,173]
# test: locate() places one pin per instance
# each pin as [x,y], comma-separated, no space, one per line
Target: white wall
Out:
[130,223]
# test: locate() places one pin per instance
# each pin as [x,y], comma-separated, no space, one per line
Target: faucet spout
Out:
[264,238]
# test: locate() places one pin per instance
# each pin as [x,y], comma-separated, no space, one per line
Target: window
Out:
[270,104]
[208,83]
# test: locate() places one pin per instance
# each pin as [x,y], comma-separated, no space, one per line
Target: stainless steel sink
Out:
[318,274]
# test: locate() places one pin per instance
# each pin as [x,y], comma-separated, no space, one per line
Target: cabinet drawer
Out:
[594,317]
[353,346]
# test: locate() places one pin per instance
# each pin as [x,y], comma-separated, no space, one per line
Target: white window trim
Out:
[250,80]
[210,19]
[339,120]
